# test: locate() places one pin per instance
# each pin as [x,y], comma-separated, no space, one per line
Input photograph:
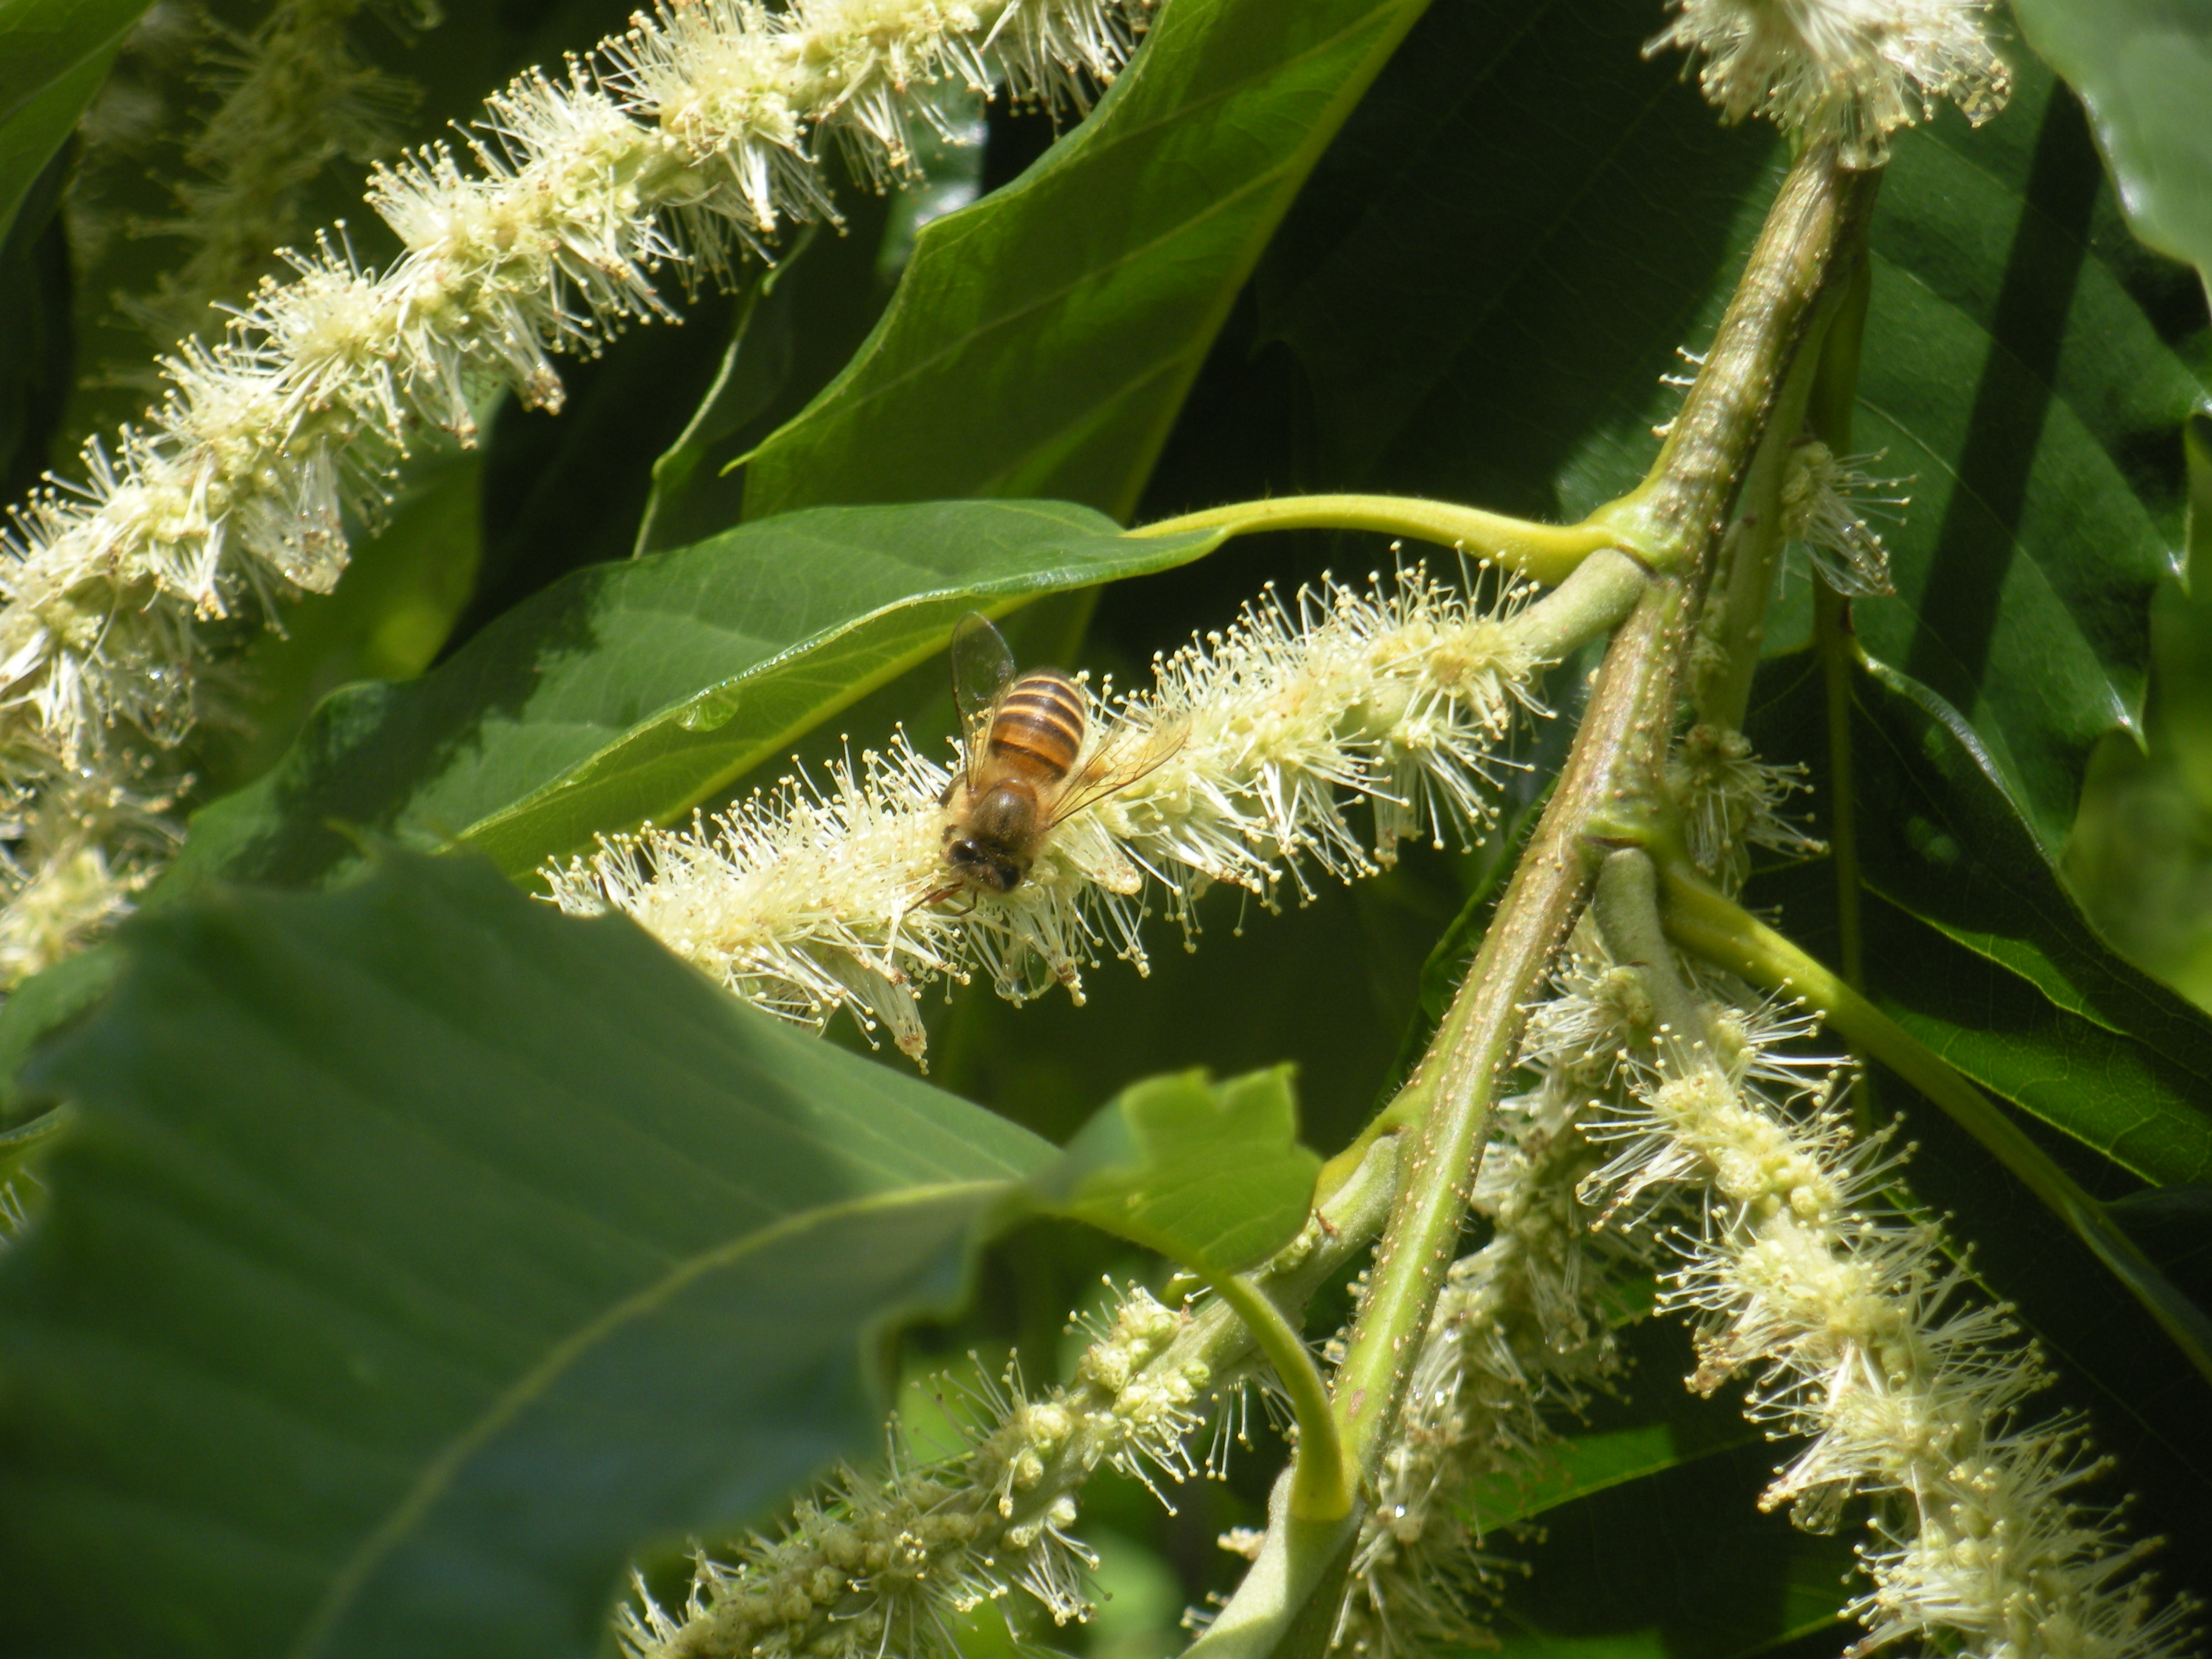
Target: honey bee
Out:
[1020,740]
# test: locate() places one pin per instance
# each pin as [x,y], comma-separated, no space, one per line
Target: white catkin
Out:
[885,1562]
[1732,1158]
[1850,70]
[815,897]
[1865,1338]
[694,133]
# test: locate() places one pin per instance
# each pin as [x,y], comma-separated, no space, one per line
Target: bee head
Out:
[983,865]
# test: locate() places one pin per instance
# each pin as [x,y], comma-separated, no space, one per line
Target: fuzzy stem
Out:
[1626,906]
[1684,501]
[1672,523]
[1707,925]
[1732,630]
[1835,395]
[1543,552]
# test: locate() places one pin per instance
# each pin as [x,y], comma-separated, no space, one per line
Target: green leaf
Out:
[2026,362]
[420,1253]
[633,691]
[2021,365]
[1977,948]
[1042,340]
[2144,70]
[1208,1174]
[56,53]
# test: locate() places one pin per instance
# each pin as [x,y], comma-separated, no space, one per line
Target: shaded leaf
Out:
[1208,1174]
[419,1252]
[1977,949]
[2144,70]
[55,53]
[1041,340]
[633,691]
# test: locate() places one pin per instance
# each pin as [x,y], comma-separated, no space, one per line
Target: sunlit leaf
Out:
[632,690]
[1041,340]
[1208,1174]
[2144,70]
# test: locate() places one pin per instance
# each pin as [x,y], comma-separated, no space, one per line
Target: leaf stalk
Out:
[1545,553]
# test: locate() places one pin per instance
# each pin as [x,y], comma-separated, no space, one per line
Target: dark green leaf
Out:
[1208,1174]
[419,1252]
[2015,988]
[632,690]
[1975,945]
[1495,332]
[1042,340]
[2144,70]
[2019,365]
[53,56]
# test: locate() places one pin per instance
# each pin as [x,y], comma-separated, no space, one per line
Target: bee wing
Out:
[1123,758]
[982,668]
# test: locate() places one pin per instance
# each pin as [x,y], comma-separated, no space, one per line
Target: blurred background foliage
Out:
[1474,295]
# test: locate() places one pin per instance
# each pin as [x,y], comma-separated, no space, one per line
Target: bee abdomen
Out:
[1038,724]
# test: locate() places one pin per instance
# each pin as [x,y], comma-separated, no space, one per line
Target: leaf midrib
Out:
[439,1473]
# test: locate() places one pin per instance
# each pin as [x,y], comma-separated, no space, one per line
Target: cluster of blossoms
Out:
[1862,1334]
[815,897]
[1850,70]
[696,131]
[1826,500]
[884,1562]
[818,897]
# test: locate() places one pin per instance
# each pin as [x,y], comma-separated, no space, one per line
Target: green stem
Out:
[1612,775]
[1825,367]
[1704,923]
[1543,552]
[1321,1485]
[1626,906]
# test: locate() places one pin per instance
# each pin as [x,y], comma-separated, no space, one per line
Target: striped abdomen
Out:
[1036,729]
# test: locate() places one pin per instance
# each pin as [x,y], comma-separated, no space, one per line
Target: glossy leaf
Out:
[1042,340]
[2020,366]
[2026,362]
[2143,68]
[1980,952]
[632,690]
[55,53]
[1208,1174]
[420,1252]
